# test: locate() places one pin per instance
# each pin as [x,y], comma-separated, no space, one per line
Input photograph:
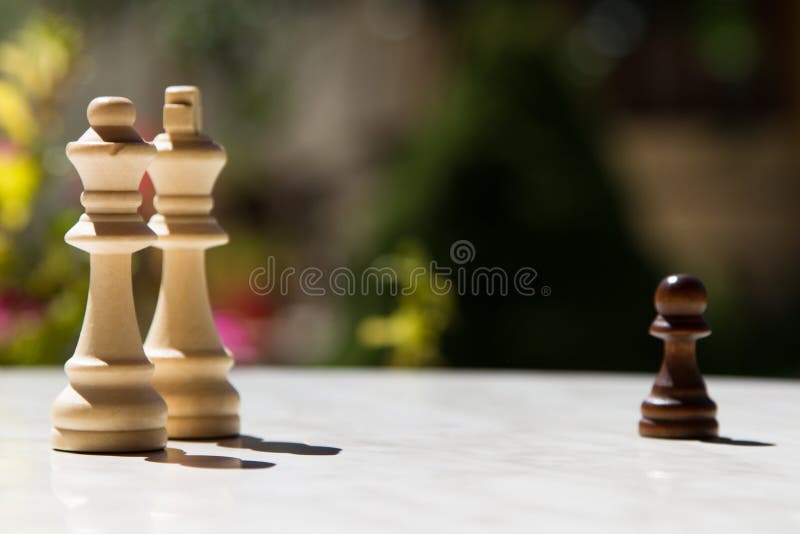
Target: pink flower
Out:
[238,337]
[16,312]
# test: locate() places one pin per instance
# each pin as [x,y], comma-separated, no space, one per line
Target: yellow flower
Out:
[16,116]
[19,179]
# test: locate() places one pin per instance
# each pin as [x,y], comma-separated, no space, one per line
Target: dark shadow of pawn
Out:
[720,440]
[202,461]
[254,443]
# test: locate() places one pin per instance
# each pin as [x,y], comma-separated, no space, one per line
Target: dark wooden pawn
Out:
[678,405]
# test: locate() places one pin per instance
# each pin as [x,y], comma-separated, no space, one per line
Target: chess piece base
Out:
[210,427]
[201,403]
[109,440]
[679,429]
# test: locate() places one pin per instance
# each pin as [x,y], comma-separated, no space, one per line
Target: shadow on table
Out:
[171,455]
[204,461]
[721,440]
[254,443]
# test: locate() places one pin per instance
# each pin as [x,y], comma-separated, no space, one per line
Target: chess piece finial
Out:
[183,112]
[109,404]
[115,111]
[678,405]
[191,362]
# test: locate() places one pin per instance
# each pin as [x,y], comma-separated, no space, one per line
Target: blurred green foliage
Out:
[507,154]
[539,198]
[411,332]
[42,286]
[511,160]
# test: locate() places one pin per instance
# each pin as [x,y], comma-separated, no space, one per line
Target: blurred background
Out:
[603,143]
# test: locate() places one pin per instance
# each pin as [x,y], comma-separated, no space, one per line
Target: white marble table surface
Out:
[415,452]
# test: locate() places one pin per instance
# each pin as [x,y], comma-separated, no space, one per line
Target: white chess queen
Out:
[110,404]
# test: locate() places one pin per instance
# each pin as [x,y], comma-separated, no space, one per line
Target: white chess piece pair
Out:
[117,400]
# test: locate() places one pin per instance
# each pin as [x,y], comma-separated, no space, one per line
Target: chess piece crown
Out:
[109,404]
[678,405]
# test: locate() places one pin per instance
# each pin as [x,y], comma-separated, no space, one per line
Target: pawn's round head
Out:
[681,294]
[111,111]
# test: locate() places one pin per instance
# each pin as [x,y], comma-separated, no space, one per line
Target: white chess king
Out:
[110,404]
[191,362]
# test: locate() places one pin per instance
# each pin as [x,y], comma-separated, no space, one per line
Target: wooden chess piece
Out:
[110,404]
[678,405]
[191,362]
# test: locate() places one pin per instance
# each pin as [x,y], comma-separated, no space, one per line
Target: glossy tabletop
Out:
[414,452]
